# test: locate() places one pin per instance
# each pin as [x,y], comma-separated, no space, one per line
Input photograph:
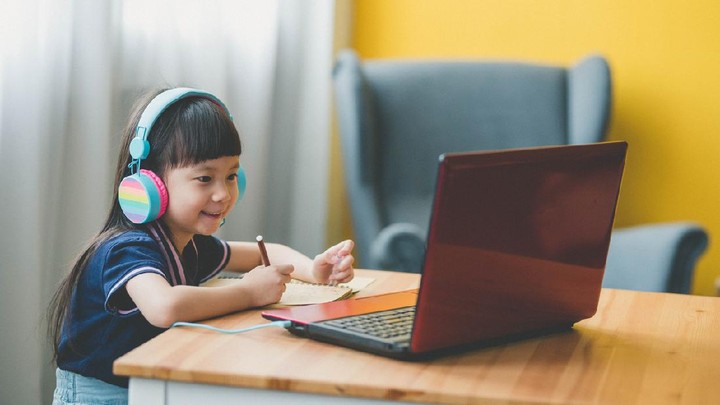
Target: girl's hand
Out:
[268,283]
[334,265]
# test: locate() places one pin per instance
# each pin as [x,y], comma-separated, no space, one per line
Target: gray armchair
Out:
[397,117]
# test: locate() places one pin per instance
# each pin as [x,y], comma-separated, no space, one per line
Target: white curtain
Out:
[69,71]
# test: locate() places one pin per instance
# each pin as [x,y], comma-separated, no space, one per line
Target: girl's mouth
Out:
[216,215]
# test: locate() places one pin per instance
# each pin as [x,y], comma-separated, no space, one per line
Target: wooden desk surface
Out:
[640,347]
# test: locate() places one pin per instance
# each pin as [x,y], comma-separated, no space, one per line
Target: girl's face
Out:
[200,196]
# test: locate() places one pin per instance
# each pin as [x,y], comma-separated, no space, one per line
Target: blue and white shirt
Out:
[103,322]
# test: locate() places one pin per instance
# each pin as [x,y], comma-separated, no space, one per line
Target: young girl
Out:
[177,177]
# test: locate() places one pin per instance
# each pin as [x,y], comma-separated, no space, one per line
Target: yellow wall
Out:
[665,60]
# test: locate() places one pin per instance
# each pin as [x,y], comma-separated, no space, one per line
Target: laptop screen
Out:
[518,241]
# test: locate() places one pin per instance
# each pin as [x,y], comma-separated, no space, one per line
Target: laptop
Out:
[517,245]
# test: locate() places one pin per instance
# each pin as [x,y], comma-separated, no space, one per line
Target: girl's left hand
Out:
[334,265]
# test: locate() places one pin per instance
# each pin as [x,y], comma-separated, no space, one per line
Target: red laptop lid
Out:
[518,241]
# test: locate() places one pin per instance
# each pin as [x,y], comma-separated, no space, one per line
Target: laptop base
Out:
[402,351]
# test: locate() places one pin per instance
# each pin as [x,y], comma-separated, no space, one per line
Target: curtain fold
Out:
[69,72]
[300,127]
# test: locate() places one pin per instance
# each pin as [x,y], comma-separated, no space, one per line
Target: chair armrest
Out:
[399,247]
[659,257]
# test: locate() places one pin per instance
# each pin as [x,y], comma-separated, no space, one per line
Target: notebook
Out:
[299,292]
[517,245]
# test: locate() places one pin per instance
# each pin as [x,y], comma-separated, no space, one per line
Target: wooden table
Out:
[648,348]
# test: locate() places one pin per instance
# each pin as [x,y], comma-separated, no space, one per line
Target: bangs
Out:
[194,131]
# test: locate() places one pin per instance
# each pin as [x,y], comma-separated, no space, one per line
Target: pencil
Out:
[263,251]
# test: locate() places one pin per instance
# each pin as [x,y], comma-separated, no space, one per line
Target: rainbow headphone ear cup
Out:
[241,185]
[143,197]
[241,182]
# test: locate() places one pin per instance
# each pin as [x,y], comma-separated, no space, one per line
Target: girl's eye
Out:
[232,177]
[204,179]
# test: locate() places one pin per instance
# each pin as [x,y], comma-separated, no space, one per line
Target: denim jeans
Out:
[75,389]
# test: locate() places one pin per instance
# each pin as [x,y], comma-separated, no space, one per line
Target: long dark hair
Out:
[190,131]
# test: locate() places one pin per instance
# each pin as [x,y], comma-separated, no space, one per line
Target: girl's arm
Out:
[244,256]
[162,304]
[333,265]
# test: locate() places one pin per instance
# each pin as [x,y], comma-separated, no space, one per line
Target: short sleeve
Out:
[124,259]
[213,256]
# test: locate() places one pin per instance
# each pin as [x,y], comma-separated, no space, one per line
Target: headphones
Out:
[142,195]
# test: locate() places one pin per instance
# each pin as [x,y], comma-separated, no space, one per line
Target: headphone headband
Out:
[139,147]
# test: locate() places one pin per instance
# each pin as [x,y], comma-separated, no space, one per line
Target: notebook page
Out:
[299,292]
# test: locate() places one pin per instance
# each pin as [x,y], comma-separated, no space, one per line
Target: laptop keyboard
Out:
[394,325]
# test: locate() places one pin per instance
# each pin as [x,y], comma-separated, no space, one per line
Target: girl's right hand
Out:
[267,284]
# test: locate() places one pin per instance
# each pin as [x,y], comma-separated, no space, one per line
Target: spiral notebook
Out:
[299,292]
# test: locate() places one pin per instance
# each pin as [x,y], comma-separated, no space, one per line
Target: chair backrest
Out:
[397,117]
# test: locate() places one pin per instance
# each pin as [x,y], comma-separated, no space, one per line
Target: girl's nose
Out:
[222,193]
